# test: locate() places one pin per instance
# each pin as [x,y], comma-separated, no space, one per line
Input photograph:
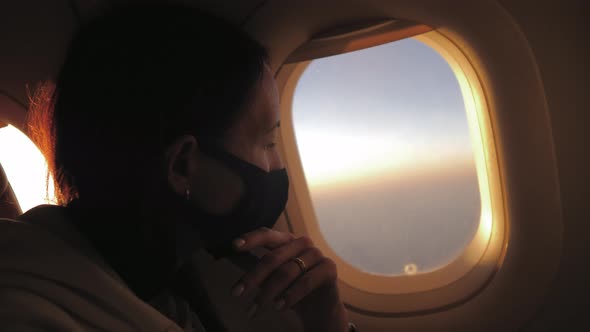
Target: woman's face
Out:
[253,137]
[214,187]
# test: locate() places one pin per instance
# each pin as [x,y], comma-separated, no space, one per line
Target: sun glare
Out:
[331,159]
[25,168]
[328,160]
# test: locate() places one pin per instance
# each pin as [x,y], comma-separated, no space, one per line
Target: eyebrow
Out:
[278,124]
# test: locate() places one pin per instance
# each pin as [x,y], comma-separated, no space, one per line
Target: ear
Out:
[181,163]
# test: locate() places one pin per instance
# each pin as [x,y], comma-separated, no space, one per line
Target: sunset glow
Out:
[25,168]
[333,158]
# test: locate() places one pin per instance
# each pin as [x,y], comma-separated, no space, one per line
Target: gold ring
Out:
[299,263]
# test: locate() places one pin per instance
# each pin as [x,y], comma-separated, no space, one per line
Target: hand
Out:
[312,293]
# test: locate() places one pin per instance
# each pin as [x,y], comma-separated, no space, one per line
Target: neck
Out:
[138,244]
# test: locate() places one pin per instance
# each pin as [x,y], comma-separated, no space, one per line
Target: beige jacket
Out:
[51,279]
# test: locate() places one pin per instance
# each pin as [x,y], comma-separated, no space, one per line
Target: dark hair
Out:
[134,79]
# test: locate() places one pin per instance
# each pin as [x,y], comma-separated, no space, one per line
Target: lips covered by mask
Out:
[263,200]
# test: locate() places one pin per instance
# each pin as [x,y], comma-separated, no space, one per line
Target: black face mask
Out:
[263,201]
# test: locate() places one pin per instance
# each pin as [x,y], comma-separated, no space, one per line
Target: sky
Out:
[386,150]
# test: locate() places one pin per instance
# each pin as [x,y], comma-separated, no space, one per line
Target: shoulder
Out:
[23,310]
[48,282]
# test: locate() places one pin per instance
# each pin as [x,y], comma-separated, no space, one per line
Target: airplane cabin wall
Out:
[33,37]
[34,34]
[557,32]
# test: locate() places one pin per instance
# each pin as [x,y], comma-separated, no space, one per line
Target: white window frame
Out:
[457,281]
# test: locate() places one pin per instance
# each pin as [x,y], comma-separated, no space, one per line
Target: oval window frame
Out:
[452,283]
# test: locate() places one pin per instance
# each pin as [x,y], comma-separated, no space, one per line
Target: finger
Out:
[262,237]
[269,263]
[281,278]
[322,274]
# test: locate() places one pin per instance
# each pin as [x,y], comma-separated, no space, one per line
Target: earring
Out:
[187,194]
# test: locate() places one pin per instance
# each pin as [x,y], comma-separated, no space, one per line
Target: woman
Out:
[160,133]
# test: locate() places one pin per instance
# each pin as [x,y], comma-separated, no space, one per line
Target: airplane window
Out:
[25,168]
[387,155]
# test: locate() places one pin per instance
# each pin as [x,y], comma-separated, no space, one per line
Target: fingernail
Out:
[280,304]
[252,310]
[238,290]
[238,243]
